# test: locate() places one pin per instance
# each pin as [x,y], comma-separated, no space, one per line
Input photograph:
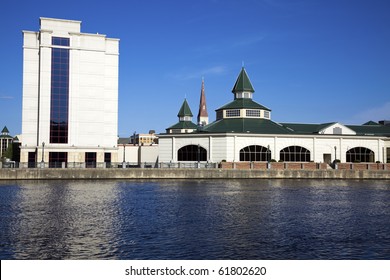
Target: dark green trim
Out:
[243,103]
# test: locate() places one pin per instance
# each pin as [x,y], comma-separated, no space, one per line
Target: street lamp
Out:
[43,155]
[198,155]
[124,156]
[335,151]
[268,159]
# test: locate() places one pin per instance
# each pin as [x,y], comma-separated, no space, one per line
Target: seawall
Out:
[163,173]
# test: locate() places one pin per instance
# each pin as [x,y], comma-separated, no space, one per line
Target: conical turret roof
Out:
[5,130]
[243,83]
[185,110]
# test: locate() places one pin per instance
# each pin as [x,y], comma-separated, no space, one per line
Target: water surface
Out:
[195,219]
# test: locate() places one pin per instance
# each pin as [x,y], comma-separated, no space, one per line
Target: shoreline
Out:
[185,173]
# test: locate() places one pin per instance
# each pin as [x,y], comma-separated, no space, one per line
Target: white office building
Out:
[70,95]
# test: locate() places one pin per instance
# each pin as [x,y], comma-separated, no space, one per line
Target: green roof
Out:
[184,125]
[245,125]
[5,130]
[303,128]
[243,83]
[367,129]
[243,103]
[371,123]
[185,110]
[374,130]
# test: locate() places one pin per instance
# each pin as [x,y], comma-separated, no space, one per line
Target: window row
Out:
[261,153]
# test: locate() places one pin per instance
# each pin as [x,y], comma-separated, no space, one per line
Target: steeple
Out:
[203,116]
[243,87]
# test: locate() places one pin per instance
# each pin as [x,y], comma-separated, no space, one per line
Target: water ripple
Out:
[184,219]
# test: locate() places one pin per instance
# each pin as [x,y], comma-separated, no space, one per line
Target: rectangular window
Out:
[59,91]
[90,160]
[31,159]
[57,158]
[59,41]
[219,115]
[233,113]
[107,157]
[266,114]
[4,146]
[253,113]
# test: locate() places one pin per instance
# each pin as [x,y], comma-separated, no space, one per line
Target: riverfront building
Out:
[244,131]
[5,141]
[70,95]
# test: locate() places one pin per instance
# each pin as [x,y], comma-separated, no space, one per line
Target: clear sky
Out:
[310,61]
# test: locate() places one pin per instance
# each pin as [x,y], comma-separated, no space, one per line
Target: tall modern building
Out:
[70,95]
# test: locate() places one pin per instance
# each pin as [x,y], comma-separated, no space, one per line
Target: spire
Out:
[243,83]
[203,116]
[185,110]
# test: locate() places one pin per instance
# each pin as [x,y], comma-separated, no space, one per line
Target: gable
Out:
[337,129]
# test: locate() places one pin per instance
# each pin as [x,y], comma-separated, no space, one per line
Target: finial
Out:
[243,64]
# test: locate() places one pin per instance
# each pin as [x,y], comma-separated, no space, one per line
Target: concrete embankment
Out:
[52,174]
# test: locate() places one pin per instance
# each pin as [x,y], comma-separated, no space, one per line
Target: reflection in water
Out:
[184,219]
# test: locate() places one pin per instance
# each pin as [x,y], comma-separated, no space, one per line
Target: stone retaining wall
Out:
[160,173]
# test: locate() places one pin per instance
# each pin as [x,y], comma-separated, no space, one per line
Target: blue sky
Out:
[310,61]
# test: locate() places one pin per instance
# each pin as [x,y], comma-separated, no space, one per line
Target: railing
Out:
[188,165]
[204,165]
[71,165]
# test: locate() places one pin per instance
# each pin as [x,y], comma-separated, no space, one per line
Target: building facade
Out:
[70,95]
[244,131]
[5,141]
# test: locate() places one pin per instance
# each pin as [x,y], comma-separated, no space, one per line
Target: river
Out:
[195,219]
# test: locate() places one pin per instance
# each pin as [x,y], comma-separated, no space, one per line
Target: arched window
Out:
[192,153]
[255,153]
[295,153]
[360,154]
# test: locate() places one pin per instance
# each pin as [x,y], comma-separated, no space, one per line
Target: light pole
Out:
[268,159]
[335,157]
[43,155]
[124,156]
[198,152]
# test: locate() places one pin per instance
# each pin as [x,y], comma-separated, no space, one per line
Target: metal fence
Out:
[70,165]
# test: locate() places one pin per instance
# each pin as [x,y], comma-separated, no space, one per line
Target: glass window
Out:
[266,114]
[253,113]
[90,160]
[57,158]
[192,153]
[295,153]
[59,41]
[255,153]
[360,154]
[59,92]
[233,113]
